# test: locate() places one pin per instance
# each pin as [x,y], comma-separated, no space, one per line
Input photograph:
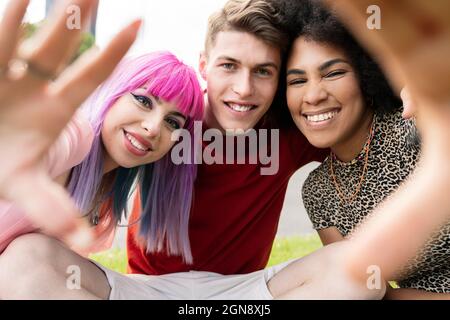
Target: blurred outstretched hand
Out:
[413,47]
[38,96]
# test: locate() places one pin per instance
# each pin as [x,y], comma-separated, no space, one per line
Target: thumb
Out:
[409,107]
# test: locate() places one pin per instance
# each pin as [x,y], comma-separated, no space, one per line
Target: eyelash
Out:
[144,101]
[336,73]
[264,72]
[296,81]
[232,67]
[331,74]
[228,66]
[173,124]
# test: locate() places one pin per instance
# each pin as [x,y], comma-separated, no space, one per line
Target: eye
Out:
[145,101]
[264,72]
[228,66]
[174,124]
[298,81]
[335,73]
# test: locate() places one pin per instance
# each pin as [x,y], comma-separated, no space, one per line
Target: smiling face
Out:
[242,74]
[137,129]
[324,97]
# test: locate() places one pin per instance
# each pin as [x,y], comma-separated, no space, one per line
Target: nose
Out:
[152,125]
[243,84]
[315,93]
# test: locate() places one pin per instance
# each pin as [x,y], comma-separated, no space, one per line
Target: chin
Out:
[233,125]
[318,142]
[126,163]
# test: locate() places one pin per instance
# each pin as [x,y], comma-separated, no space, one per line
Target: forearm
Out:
[417,208]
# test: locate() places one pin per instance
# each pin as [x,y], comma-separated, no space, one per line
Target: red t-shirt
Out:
[234,216]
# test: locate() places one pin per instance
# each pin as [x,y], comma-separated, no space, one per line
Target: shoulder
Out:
[316,182]
[316,198]
[398,132]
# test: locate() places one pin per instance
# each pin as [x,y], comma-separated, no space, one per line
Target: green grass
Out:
[283,249]
[114,259]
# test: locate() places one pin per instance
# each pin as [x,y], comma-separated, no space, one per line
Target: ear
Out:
[203,64]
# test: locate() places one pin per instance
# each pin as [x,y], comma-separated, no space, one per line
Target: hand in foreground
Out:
[38,96]
[413,46]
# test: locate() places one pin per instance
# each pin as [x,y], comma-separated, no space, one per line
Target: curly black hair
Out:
[312,20]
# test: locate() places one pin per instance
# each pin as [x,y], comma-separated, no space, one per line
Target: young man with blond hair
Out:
[235,213]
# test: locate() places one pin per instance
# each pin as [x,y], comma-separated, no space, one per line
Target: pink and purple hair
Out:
[166,188]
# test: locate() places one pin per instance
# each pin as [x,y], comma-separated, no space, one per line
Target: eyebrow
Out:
[295,71]
[324,66]
[156,98]
[178,114]
[261,65]
[328,64]
[175,113]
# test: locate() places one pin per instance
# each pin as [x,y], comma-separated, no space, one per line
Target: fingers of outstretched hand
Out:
[50,208]
[57,40]
[412,41]
[383,28]
[93,68]
[10,29]
[401,23]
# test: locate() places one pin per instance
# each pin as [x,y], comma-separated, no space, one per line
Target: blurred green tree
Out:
[87,39]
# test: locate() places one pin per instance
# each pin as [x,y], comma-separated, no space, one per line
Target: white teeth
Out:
[240,108]
[135,143]
[322,117]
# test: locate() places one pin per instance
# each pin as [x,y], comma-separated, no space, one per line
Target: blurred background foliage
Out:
[87,39]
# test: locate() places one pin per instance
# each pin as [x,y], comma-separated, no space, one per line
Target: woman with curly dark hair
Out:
[340,99]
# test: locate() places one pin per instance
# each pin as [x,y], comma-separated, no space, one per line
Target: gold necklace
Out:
[349,199]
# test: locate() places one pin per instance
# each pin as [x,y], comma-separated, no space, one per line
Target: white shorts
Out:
[192,285]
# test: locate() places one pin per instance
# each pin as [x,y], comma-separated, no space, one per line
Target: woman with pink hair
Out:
[119,139]
[123,134]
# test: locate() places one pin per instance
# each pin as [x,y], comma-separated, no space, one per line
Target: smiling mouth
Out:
[321,117]
[136,143]
[240,107]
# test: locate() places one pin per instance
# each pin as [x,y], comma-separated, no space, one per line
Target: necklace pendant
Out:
[95,219]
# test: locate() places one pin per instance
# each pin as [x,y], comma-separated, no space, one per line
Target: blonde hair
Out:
[261,18]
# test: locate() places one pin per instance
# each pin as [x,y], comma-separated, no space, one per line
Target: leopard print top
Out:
[392,158]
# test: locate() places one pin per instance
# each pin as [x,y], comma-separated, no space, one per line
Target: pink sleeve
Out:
[72,146]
